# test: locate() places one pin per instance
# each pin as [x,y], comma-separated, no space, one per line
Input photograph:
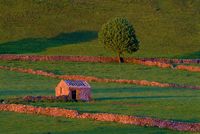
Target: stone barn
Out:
[74,89]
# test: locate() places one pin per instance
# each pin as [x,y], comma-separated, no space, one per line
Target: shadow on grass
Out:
[35,45]
[144,97]
[9,92]
[105,128]
[88,126]
[137,89]
[194,55]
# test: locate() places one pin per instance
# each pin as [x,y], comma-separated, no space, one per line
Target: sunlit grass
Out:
[112,70]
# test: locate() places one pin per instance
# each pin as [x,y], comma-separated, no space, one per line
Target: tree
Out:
[118,35]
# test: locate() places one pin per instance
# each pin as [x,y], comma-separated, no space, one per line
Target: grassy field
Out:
[165,28]
[164,103]
[32,124]
[67,27]
[112,70]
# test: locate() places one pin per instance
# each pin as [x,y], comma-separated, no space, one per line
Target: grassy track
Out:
[164,103]
[113,70]
[66,27]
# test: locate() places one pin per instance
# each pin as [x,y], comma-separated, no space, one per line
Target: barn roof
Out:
[77,83]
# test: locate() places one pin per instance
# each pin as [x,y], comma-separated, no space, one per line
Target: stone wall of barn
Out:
[85,94]
[61,86]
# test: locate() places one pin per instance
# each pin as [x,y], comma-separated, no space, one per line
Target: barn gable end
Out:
[61,88]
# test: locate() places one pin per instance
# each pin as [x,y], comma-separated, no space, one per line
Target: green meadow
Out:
[111,70]
[164,103]
[70,27]
[32,124]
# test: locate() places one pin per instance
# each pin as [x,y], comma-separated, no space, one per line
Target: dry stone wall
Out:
[188,68]
[162,63]
[96,79]
[124,119]
[174,61]
[92,59]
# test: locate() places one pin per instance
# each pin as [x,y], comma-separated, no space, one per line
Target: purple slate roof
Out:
[77,83]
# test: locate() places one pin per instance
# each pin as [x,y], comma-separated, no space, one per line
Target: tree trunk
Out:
[120,59]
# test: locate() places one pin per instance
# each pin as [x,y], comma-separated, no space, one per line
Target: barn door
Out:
[74,95]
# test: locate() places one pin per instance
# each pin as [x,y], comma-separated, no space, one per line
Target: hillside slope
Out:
[69,27]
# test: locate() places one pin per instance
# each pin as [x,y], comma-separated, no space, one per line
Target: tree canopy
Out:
[118,35]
